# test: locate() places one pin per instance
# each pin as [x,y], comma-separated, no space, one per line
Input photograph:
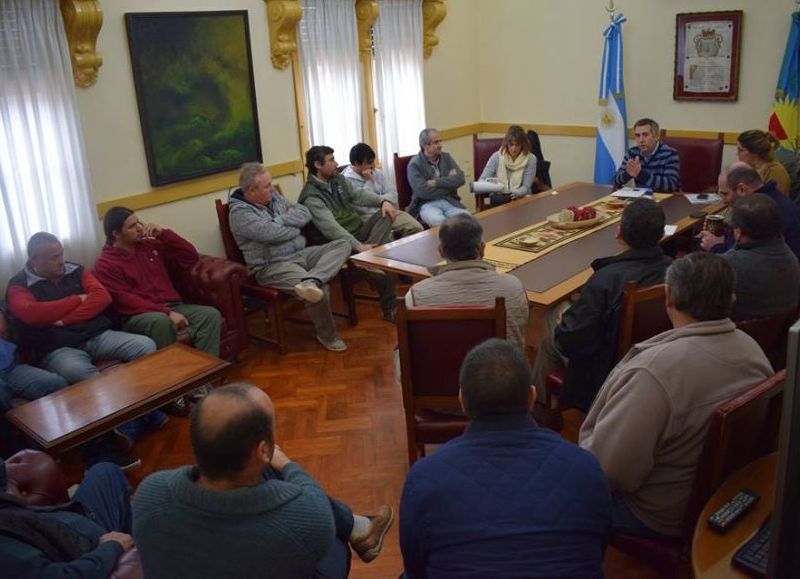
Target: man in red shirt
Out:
[134,266]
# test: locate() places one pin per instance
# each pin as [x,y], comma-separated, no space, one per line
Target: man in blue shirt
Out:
[507,498]
[650,163]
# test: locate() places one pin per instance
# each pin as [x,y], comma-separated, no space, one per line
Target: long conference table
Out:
[549,278]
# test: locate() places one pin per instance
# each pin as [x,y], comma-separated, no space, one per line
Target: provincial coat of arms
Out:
[708,43]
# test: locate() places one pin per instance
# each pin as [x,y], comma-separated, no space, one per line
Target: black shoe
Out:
[178,407]
[389,315]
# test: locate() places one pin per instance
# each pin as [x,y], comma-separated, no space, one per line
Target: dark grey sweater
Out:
[280,528]
[767,279]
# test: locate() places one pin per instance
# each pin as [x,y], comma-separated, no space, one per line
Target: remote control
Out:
[724,517]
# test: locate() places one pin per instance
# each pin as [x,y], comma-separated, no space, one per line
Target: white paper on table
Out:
[631,192]
[669,230]
[486,187]
[695,199]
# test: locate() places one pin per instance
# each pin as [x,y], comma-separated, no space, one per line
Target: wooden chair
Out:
[404,192]
[482,149]
[771,334]
[701,161]
[741,430]
[433,343]
[643,314]
[269,300]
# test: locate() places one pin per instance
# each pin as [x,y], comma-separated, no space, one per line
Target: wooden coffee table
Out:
[83,411]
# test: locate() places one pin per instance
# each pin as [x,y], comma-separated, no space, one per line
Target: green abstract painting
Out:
[194,85]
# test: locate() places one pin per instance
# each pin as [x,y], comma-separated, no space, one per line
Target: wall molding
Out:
[433,12]
[208,185]
[83,20]
[282,19]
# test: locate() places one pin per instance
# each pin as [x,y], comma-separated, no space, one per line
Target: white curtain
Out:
[44,179]
[331,74]
[399,94]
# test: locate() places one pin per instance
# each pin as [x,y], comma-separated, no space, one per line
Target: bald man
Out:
[246,508]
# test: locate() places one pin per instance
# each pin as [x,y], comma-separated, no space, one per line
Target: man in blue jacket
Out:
[507,498]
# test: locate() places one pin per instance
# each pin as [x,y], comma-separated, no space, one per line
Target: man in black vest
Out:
[57,315]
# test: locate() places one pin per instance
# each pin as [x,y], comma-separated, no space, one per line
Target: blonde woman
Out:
[757,149]
[514,166]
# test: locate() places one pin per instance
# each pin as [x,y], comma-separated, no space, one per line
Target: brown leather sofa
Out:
[34,477]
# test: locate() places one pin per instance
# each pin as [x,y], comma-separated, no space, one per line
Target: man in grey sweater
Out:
[434,177]
[268,229]
[767,272]
[648,424]
[246,509]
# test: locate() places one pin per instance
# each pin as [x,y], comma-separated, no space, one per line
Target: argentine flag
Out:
[612,124]
[783,122]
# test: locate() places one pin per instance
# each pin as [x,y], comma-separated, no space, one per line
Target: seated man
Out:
[268,229]
[331,200]
[82,539]
[134,265]
[246,509]
[434,177]
[649,421]
[507,498]
[651,163]
[740,179]
[767,272]
[362,173]
[467,280]
[587,331]
[57,308]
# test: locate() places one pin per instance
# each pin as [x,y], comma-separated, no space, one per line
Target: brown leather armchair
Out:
[217,282]
[34,478]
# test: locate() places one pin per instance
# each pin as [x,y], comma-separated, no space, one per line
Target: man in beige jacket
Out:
[467,280]
[648,424]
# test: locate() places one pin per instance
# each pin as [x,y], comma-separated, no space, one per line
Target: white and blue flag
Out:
[612,126]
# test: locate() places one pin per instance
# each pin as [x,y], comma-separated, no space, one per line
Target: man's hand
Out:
[122,538]
[431,182]
[452,172]
[151,230]
[368,174]
[178,320]
[634,167]
[366,247]
[279,459]
[710,240]
[387,208]
[83,297]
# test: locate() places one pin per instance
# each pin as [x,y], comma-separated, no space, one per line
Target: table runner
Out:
[507,252]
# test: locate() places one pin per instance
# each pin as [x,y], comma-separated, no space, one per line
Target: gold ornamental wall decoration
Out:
[82,22]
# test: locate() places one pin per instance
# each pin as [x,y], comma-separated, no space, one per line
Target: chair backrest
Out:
[701,161]
[232,251]
[433,343]
[771,334]
[743,429]
[401,177]
[482,149]
[542,166]
[643,315]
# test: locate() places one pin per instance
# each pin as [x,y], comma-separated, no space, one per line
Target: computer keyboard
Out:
[753,555]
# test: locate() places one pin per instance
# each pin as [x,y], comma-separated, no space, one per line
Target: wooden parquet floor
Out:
[341,417]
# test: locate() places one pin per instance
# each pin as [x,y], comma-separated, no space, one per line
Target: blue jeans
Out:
[76,364]
[434,212]
[29,382]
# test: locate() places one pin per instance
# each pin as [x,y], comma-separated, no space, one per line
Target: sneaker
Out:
[309,291]
[334,345]
[107,449]
[200,393]
[125,461]
[137,428]
[389,315]
[369,546]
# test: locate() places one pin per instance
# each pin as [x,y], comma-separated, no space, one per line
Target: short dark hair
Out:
[460,237]
[113,221]
[701,285]
[642,223]
[495,379]
[645,121]
[361,153]
[743,174]
[39,240]
[757,216]
[316,154]
[226,453]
